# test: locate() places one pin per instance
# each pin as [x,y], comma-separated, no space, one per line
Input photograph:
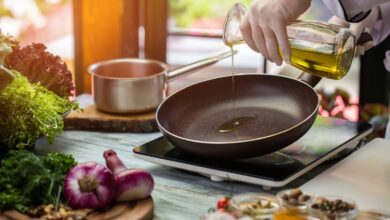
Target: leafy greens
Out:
[28,180]
[38,65]
[6,76]
[28,111]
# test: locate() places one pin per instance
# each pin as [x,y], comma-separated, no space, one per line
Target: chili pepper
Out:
[223,203]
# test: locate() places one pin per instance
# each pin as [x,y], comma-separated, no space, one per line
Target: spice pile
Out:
[334,208]
[258,205]
[295,197]
[62,212]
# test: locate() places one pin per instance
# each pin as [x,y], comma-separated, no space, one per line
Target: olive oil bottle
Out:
[319,48]
[235,123]
[322,63]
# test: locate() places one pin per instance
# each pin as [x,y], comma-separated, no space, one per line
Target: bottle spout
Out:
[231,28]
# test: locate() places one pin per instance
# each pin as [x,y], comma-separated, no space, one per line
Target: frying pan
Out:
[283,109]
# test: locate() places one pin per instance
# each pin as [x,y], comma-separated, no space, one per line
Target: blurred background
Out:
[177,32]
[194,28]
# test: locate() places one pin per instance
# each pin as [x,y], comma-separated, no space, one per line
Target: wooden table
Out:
[177,194]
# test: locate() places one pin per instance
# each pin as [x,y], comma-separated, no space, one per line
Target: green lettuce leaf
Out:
[28,111]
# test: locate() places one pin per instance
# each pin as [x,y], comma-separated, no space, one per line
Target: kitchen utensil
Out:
[319,48]
[282,108]
[131,85]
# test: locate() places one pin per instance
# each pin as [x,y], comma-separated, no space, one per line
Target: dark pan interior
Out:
[277,103]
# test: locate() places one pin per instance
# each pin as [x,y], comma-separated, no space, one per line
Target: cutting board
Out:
[138,210]
[94,120]
[363,176]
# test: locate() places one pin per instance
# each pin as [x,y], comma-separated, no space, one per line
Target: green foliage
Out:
[59,162]
[186,12]
[28,180]
[28,111]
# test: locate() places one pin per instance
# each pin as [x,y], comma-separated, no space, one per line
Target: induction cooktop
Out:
[325,139]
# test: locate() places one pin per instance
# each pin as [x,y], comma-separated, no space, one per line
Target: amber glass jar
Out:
[295,205]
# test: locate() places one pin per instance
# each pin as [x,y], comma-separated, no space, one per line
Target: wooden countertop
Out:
[177,193]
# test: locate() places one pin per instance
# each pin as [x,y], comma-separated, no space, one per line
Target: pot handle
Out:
[187,69]
[309,79]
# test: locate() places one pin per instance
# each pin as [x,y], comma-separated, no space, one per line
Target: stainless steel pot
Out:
[131,85]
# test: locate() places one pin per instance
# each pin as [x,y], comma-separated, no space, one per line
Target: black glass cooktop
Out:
[324,138]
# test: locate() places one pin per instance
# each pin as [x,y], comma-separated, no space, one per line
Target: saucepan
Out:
[263,113]
[130,86]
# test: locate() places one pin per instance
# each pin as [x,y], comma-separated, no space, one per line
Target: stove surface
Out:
[326,138]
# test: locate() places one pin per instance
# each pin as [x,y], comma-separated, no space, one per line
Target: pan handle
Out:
[309,79]
[187,69]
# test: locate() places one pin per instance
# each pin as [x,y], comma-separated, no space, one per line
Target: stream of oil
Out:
[235,123]
[233,89]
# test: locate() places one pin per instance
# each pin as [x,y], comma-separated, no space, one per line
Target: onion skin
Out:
[95,193]
[130,184]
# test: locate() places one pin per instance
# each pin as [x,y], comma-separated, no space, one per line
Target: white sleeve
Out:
[352,10]
[382,27]
[357,10]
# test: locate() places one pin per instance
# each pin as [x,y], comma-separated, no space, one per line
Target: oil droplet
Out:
[235,124]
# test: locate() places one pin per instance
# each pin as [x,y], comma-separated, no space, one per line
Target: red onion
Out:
[130,184]
[89,185]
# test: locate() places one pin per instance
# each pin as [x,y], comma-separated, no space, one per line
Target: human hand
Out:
[264,26]
[358,28]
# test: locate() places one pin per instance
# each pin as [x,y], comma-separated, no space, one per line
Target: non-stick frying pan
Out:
[282,109]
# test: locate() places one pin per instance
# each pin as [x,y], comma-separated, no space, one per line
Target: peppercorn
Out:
[332,207]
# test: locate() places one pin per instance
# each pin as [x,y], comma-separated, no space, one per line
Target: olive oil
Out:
[323,63]
[235,124]
[239,122]
[233,89]
[231,49]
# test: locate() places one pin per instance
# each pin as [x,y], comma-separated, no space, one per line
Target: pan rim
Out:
[242,141]
[119,60]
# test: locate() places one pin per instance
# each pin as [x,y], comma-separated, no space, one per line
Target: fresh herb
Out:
[28,111]
[28,180]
